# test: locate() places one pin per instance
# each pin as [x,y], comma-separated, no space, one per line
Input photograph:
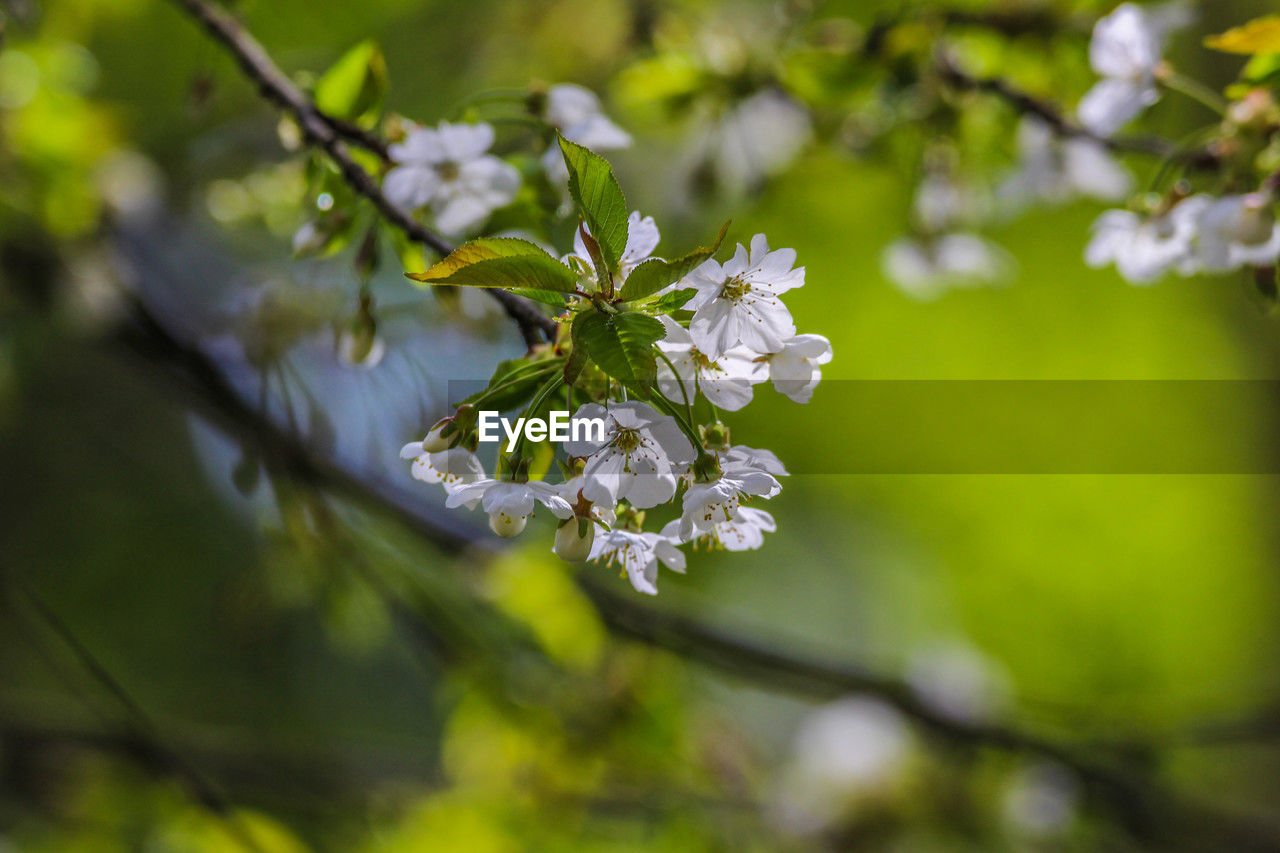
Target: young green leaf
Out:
[622,345]
[500,262]
[354,87]
[599,199]
[668,302]
[654,274]
[554,298]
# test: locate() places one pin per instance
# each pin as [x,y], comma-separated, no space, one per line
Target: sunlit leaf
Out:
[1261,35]
[500,262]
[355,86]
[654,274]
[599,199]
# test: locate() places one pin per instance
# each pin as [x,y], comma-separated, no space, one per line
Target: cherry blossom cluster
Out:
[654,349]
[1228,225]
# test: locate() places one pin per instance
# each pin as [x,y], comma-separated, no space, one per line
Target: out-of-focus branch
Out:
[1123,785]
[331,137]
[1053,117]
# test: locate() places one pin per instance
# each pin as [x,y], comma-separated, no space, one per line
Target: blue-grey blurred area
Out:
[1049,506]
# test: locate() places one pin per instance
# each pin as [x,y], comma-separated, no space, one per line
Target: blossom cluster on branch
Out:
[647,346]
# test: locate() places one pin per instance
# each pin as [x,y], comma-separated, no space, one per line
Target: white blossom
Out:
[1145,248]
[447,169]
[1125,52]
[758,138]
[509,505]
[744,532]
[739,456]
[959,682]
[1235,231]
[925,268]
[795,370]
[844,753]
[637,459]
[708,504]
[453,466]
[1053,169]
[638,554]
[1042,800]
[737,302]
[576,112]
[725,381]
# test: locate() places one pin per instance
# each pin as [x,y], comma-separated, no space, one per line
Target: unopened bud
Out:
[574,538]
[716,436]
[436,442]
[507,526]
[1257,221]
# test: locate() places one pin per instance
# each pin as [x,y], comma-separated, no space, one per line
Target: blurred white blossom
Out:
[447,169]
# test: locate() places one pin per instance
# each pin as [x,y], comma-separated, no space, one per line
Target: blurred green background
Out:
[287,665]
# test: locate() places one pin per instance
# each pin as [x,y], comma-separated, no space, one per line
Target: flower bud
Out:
[507,526]
[1256,221]
[715,436]
[435,442]
[574,538]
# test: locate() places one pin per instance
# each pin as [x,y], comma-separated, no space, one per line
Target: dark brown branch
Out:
[1028,104]
[322,132]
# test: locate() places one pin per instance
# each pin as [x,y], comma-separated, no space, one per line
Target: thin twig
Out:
[321,131]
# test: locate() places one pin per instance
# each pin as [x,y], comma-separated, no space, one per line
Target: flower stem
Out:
[1195,90]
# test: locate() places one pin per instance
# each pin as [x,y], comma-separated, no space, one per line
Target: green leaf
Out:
[355,86]
[500,262]
[622,345]
[513,383]
[599,199]
[668,302]
[554,298]
[578,355]
[654,274]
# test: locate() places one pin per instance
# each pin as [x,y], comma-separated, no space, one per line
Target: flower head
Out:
[576,112]
[717,501]
[635,460]
[927,268]
[744,532]
[509,505]
[1053,169]
[447,168]
[737,302]
[1145,248]
[726,381]
[638,554]
[1125,52]
[453,466]
[795,370]
[1235,231]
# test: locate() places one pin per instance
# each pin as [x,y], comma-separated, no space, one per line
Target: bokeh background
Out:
[199,651]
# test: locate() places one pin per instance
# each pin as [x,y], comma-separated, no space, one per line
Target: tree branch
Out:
[1114,777]
[328,135]
[1028,104]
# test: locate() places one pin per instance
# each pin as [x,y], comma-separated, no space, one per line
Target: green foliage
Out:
[655,274]
[500,262]
[599,199]
[621,344]
[355,87]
